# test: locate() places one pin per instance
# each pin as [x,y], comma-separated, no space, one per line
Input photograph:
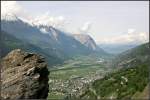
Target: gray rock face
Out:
[24,76]
[86,40]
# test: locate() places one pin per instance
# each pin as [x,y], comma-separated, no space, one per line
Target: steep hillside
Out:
[9,42]
[130,79]
[117,48]
[29,33]
[66,43]
[132,57]
[86,40]
[122,84]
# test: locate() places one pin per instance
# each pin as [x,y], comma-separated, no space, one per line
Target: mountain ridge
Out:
[54,41]
[10,42]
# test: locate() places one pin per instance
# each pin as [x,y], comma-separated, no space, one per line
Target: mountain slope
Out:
[26,32]
[132,57]
[126,82]
[116,48]
[86,40]
[67,43]
[9,42]
[49,39]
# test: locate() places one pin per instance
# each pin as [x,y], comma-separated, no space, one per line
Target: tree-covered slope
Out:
[135,56]
[124,83]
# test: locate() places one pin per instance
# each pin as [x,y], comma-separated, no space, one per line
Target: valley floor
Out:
[75,75]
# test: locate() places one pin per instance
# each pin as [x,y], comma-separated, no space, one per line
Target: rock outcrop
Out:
[86,40]
[24,76]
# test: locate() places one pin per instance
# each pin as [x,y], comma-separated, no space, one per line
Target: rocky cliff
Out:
[86,40]
[24,76]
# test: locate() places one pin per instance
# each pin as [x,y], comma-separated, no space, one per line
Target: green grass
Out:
[55,96]
[80,66]
[66,73]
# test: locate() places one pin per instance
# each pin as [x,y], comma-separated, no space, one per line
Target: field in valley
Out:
[74,75]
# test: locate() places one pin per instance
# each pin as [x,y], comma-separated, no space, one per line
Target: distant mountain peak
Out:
[86,40]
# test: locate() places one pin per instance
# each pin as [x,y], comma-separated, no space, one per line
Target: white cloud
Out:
[131,37]
[48,20]
[9,10]
[131,30]
[86,27]
[10,7]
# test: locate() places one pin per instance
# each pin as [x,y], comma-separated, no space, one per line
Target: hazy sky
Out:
[105,21]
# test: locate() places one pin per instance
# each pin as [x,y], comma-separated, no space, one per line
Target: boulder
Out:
[24,76]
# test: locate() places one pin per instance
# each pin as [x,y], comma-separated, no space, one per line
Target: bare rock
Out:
[86,40]
[24,76]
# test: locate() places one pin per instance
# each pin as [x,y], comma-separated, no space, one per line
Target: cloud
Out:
[10,7]
[86,27]
[131,30]
[48,20]
[131,37]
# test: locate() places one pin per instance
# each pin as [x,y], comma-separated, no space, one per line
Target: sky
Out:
[105,21]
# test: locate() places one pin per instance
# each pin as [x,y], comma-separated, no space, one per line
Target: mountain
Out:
[86,40]
[24,76]
[51,40]
[132,57]
[64,42]
[89,42]
[130,78]
[10,42]
[116,48]
[27,32]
